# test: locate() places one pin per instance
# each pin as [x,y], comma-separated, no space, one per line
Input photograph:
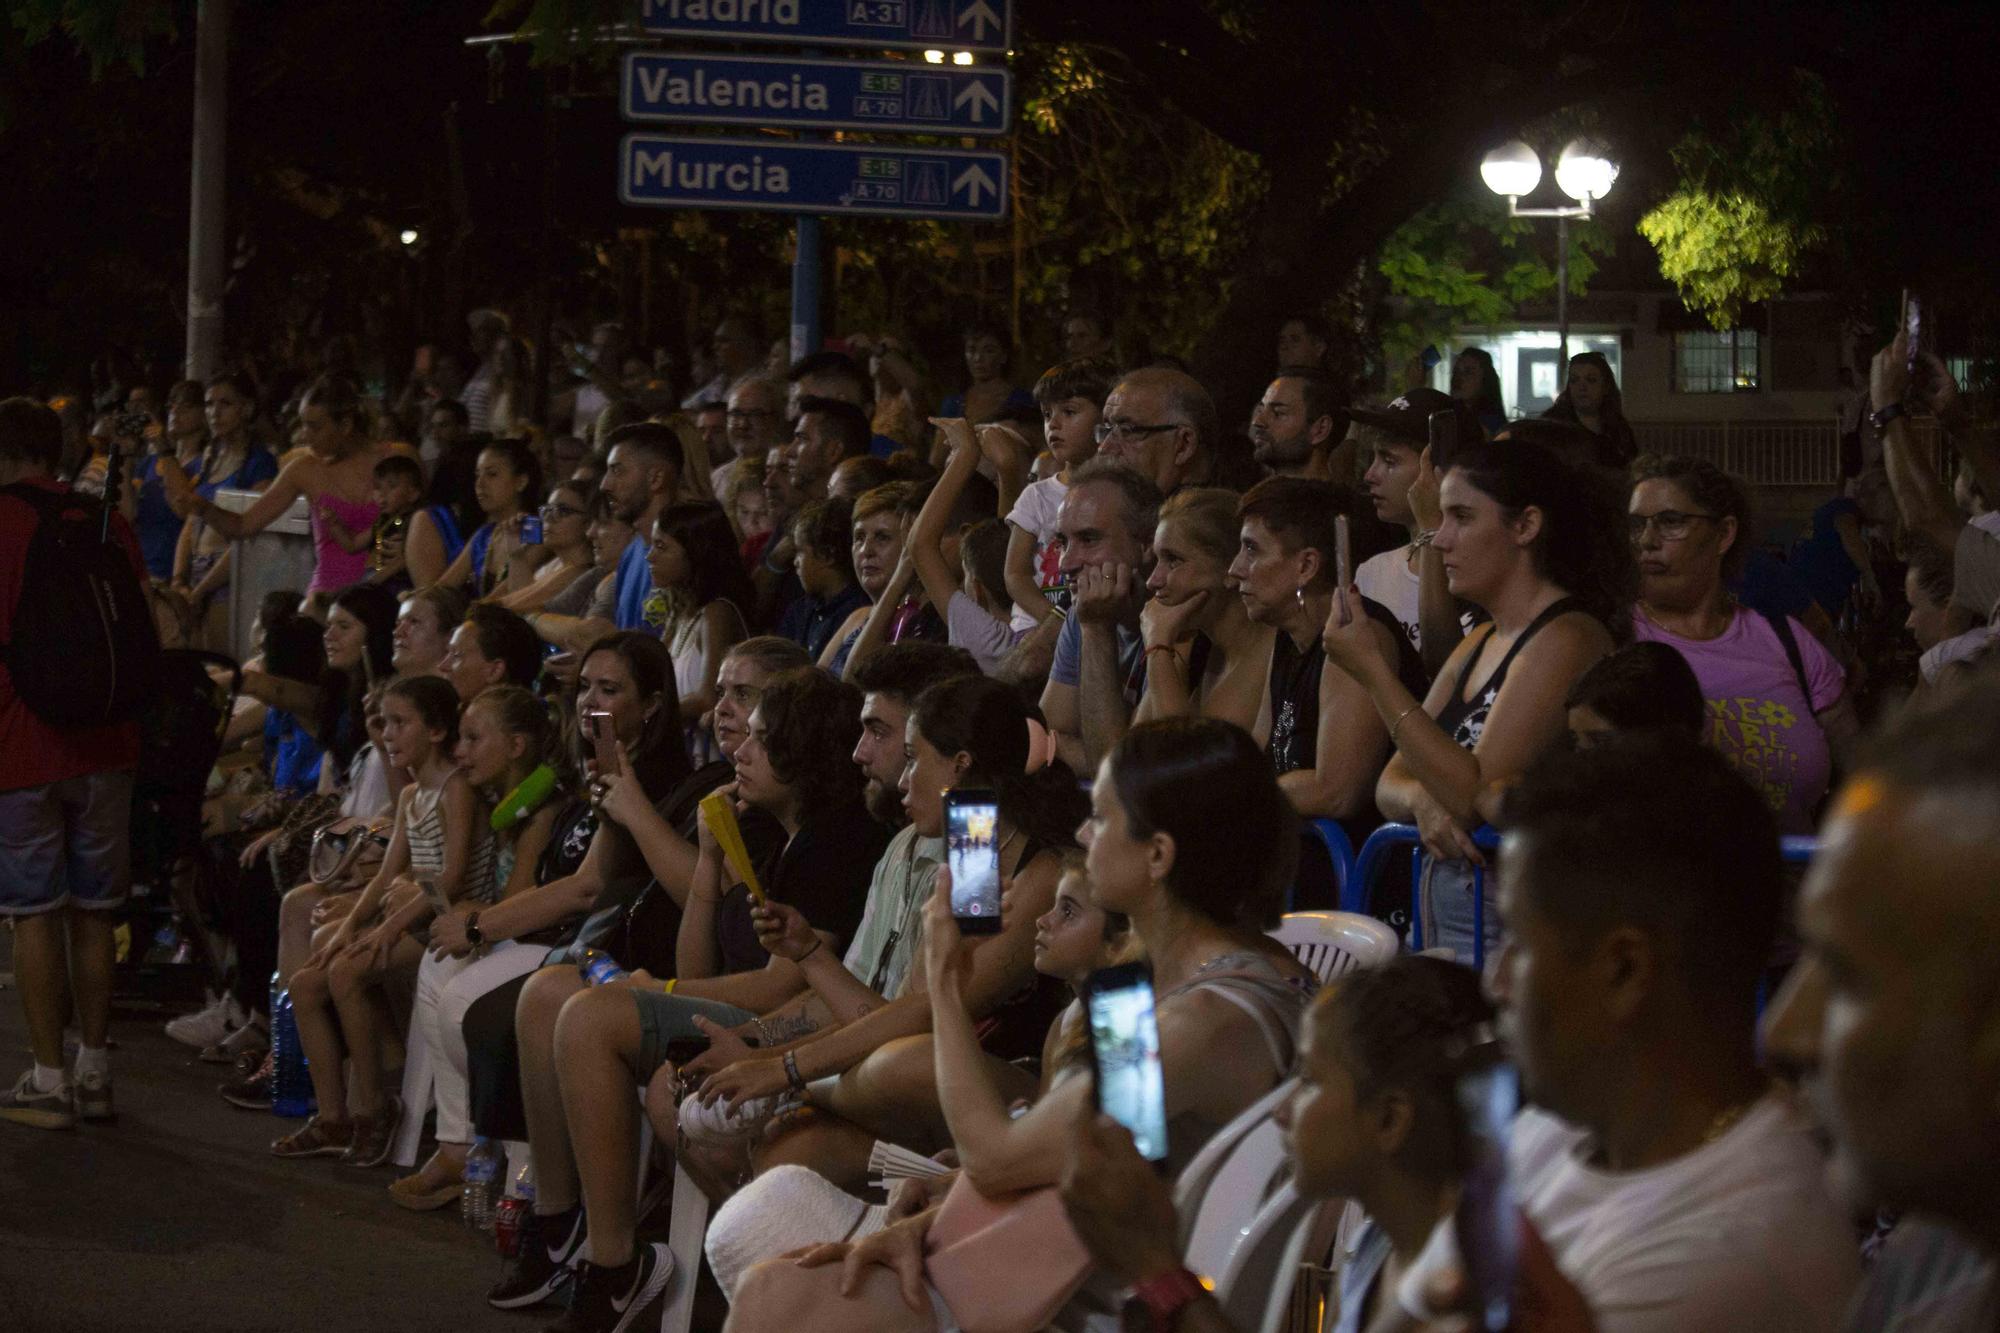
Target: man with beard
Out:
[1296,426]
[890,679]
[642,477]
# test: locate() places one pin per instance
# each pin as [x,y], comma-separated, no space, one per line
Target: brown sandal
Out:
[317,1138]
[374,1136]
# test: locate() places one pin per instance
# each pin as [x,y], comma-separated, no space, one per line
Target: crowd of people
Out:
[608,769]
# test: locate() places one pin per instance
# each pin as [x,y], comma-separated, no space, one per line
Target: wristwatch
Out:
[473,935]
[1882,416]
[1155,1303]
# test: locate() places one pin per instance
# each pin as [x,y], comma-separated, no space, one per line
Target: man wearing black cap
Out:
[1409,579]
[1297,425]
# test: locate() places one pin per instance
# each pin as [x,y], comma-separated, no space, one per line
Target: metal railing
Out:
[1774,451]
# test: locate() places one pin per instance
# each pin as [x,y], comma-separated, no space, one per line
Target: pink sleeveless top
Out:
[333,568]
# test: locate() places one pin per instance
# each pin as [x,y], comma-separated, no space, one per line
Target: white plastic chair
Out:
[1256,1285]
[1332,943]
[419,1081]
[685,1233]
[1248,1178]
[1192,1184]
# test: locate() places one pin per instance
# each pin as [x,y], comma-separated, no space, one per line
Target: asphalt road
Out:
[177,1218]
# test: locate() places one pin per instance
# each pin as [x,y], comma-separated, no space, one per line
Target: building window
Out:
[1710,362]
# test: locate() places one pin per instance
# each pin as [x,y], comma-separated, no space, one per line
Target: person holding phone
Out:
[507,479]
[1191,838]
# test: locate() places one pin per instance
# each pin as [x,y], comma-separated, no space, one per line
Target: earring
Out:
[1300,593]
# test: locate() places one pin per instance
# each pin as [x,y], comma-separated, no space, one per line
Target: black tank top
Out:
[1295,689]
[1465,721]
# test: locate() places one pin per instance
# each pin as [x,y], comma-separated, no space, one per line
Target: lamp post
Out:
[1583,171]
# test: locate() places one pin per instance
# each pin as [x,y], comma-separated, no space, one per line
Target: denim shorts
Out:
[67,842]
[669,1018]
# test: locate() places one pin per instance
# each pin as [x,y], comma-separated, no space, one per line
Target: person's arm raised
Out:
[926,540]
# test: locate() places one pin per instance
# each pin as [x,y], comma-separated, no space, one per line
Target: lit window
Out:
[1715,362]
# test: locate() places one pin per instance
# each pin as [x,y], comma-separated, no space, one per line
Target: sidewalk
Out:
[176,1219]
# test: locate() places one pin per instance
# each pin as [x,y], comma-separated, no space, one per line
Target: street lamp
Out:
[1584,172]
[410,238]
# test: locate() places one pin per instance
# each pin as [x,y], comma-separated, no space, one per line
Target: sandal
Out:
[317,1138]
[374,1136]
[412,1191]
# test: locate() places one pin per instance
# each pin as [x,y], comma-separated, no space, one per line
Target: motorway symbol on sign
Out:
[894,96]
[960,25]
[784,176]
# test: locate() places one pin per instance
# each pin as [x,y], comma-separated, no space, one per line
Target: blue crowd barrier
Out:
[1340,849]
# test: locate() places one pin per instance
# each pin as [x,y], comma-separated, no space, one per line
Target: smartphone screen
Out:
[1488,1231]
[604,744]
[1125,1051]
[1913,327]
[970,818]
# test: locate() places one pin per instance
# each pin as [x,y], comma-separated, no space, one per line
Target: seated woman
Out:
[1190,837]
[539,573]
[790,1206]
[507,751]
[440,852]
[794,765]
[593,598]
[702,591]
[1534,542]
[509,476]
[879,533]
[1778,704]
[1205,657]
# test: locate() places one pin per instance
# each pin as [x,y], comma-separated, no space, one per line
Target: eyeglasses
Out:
[552,512]
[1129,430]
[1672,523]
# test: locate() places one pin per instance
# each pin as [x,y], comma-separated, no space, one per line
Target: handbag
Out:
[291,851]
[1004,1265]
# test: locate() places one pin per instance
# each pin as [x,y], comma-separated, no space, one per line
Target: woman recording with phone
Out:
[507,479]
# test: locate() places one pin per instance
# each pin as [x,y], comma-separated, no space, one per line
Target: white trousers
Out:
[445,990]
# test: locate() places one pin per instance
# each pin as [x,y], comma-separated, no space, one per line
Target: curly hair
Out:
[811,725]
[1582,547]
[1207,784]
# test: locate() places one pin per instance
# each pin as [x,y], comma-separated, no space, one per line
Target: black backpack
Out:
[82,650]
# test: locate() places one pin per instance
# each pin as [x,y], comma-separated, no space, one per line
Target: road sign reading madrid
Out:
[887,95]
[961,25]
[775,175]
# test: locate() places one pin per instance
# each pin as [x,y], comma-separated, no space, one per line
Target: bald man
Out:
[1162,424]
[1892,1016]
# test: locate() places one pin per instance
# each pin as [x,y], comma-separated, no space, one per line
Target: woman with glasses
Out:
[1777,700]
[564,551]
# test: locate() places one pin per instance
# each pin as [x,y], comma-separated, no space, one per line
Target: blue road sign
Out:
[897,96]
[782,176]
[956,25]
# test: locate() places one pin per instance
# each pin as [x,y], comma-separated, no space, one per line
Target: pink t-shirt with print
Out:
[1756,715]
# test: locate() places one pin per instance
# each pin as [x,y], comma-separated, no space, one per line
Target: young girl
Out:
[507,751]
[702,590]
[440,851]
[508,478]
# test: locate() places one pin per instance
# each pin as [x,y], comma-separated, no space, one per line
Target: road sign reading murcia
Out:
[773,175]
[959,25]
[892,96]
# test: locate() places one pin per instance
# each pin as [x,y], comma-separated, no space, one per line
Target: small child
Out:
[1071,396]
[399,491]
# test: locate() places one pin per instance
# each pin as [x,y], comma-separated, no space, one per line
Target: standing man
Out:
[65,822]
[1162,424]
[1297,425]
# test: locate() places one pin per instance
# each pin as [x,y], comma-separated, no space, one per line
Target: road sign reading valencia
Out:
[891,96]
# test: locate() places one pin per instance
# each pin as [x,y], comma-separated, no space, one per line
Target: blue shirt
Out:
[159,528]
[294,756]
[635,583]
[1067,669]
[810,622]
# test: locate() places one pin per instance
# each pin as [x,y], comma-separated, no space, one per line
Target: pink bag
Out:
[1004,1265]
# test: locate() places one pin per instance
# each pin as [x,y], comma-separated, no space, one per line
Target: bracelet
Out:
[1881,417]
[668,989]
[792,1077]
[817,941]
[763,1033]
[1161,648]
[1423,539]
[1397,725]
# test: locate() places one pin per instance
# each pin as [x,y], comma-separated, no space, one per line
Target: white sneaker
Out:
[209,1026]
[252,1038]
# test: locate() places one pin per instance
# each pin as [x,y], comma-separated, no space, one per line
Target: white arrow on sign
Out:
[979,16]
[980,96]
[971,180]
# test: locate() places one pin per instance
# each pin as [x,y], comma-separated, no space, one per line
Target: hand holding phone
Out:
[604,744]
[971,823]
[1125,1054]
[1486,1223]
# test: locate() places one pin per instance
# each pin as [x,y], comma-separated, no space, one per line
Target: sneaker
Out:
[251,1039]
[209,1026]
[93,1097]
[316,1138]
[541,1266]
[28,1105]
[610,1300]
[374,1136]
[253,1091]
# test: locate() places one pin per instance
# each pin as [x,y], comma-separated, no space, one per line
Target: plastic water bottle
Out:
[291,1082]
[482,1184]
[514,1210]
[599,967]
